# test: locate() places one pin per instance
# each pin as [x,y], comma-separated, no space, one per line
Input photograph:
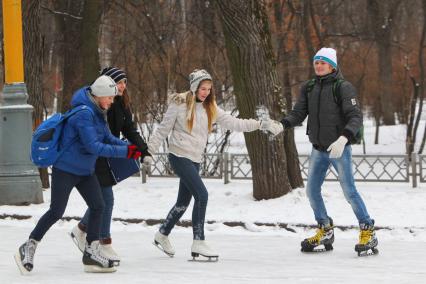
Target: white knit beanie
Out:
[327,54]
[104,86]
[196,77]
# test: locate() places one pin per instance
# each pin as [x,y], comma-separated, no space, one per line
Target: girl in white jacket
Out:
[189,119]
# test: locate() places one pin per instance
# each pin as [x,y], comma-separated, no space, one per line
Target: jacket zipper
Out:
[318,113]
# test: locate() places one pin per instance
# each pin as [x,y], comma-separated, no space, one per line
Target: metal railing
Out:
[366,168]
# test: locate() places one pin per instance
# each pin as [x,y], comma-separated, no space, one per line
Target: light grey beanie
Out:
[196,77]
[104,86]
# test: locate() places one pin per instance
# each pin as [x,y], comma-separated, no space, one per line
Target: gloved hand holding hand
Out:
[337,147]
[147,161]
[273,126]
[133,152]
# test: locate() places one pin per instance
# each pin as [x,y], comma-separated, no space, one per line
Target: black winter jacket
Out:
[328,118]
[119,121]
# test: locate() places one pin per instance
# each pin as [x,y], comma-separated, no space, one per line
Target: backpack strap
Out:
[73,111]
[336,91]
[70,113]
[310,86]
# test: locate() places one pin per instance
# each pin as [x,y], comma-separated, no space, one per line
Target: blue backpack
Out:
[45,146]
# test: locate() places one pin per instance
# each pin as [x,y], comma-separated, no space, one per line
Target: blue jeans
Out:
[62,184]
[190,185]
[108,196]
[318,166]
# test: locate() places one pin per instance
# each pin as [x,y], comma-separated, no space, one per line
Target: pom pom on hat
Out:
[328,55]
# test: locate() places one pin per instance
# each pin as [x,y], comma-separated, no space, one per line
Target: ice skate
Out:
[162,242]
[367,241]
[24,258]
[79,237]
[200,247]
[108,251]
[322,241]
[95,261]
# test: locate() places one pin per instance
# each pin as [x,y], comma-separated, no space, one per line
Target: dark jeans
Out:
[62,184]
[190,185]
[108,196]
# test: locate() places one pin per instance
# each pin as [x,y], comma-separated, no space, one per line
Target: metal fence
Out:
[371,168]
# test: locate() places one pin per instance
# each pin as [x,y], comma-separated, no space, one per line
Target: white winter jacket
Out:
[183,143]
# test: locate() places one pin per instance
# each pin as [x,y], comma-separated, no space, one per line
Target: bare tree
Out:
[381,14]
[253,68]
[78,23]
[33,58]
[422,46]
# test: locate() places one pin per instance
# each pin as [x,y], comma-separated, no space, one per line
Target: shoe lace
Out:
[317,238]
[365,236]
[30,251]
[97,254]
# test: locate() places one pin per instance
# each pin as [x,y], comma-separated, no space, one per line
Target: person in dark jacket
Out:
[120,121]
[90,137]
[332,125]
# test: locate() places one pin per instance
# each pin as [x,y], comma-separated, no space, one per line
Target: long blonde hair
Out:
[209,105]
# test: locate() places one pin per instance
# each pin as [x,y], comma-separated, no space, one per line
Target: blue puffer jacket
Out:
[93,138]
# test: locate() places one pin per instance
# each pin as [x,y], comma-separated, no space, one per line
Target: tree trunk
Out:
[90,39]
[294,174]
[422,76]
[33,67]
[252,62]
[69,26]
[381,25]
[80,28]
[293,164]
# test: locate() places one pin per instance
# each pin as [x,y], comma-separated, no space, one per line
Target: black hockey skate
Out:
[95,261]
[24,258]
[322,241]
[367,241]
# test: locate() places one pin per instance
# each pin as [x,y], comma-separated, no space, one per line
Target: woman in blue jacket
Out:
[75,168]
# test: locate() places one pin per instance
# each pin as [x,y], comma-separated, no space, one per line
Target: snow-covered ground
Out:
[249,252]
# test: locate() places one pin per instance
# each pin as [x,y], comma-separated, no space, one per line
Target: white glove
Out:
[337,147]
[147,161]
[272,126]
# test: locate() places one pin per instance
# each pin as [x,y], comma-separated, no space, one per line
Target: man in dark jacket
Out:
[334,119]
[120,121]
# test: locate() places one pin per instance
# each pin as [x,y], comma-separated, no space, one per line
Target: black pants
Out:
[62,184]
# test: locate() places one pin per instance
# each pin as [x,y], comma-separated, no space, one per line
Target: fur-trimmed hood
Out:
[178,98]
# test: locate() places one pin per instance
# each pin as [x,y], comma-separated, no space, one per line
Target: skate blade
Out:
[18,262]
[369,252]
[74,240]
[196,258]
[98,269]
[161,248]
[318,249]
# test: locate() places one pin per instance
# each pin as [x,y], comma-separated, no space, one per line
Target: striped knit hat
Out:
[116,74]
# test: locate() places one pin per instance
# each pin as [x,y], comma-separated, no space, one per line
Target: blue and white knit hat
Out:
[196,77]
[328,55]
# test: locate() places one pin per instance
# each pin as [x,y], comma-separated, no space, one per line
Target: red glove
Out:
[133,152]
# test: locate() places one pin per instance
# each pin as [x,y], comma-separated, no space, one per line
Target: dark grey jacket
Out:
[328,119]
